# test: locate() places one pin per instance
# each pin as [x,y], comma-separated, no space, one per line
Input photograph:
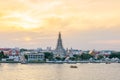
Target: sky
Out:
[84,24]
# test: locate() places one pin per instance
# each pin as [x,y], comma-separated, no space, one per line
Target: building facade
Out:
[12,53]
[35,56]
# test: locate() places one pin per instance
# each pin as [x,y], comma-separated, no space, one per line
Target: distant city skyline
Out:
[85,25]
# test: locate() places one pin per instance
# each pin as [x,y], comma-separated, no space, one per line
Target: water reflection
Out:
[59,72]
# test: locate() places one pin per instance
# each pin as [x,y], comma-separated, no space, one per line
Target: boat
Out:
[73,66]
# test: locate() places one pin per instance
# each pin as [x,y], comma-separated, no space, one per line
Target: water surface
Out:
[89,71]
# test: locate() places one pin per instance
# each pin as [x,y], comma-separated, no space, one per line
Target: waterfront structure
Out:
[59,51]
[14,58]
[69,53]
[11,53]
[35,56]
[93,52]
[106,52]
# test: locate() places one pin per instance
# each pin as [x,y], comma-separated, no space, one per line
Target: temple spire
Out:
[59,42]
[59,48]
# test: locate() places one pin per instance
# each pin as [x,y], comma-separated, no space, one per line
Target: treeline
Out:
[76,57]
[115,55]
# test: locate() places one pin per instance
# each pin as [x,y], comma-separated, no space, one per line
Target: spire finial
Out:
[59,34]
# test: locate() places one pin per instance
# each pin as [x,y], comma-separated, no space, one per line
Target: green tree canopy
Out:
[2,55]
[48,55]
[86,56]
[115,55]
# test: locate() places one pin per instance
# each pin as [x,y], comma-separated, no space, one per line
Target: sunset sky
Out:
[84,24]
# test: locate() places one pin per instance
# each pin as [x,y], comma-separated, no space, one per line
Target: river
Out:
[17,71]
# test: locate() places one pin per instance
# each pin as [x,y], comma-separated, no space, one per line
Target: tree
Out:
[21,50]
[72,58]
[115,55]
[76,57]
[48,56]
[2,55]
[26,56]
[58,58]
[86,56]
[100,57]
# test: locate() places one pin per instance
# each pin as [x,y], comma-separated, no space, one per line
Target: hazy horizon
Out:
[85,25]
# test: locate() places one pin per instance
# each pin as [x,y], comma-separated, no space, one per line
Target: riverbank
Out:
[59,62]
[10,62]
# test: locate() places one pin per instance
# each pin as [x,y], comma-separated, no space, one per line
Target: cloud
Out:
[110,42]
[48,17]
[82,15]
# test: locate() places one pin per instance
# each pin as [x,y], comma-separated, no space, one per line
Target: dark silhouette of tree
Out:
[115,55]
[76,57]
[26,56]
[100,57]
[21,50]
[48,55]
[86,56]
[58,58]
[2,55]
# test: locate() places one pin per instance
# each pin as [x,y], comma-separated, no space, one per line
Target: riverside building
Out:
[35,56]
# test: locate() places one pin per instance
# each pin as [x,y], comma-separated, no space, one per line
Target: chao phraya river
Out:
[17,71]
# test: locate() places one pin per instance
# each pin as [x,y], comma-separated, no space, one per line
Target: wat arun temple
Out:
[59,51]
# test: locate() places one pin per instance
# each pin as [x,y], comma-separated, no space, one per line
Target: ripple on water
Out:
[59,71]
